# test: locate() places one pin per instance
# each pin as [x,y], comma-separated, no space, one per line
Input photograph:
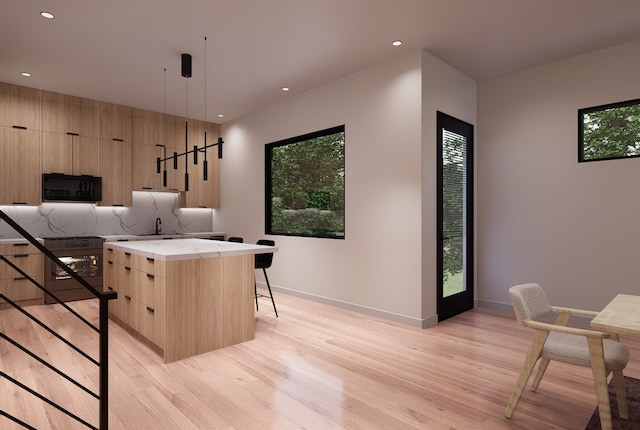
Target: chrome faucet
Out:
[158,224]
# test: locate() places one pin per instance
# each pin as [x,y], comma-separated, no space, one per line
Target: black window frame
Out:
[581,116]
[268,224]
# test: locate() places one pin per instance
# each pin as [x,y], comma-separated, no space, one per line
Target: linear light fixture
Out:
[186,72]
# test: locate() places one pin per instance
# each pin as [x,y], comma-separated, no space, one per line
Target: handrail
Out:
[102,330]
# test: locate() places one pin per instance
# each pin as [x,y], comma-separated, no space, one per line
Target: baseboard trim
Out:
[575,320]
[496,306]
[366,310]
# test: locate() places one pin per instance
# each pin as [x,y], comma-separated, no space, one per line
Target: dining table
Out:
[621,317]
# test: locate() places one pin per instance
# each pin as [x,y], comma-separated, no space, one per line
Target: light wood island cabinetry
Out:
[183,297]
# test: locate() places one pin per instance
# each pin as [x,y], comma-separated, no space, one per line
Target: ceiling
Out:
[116,50]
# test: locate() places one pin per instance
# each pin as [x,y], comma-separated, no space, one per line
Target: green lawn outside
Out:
[453,285]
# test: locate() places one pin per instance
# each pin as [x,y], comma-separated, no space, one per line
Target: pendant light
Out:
[186,73]
[163,145]
[205,172]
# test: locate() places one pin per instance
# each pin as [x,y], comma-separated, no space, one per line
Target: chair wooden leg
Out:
[621,395]
[539,337]
[596,354]
[542,367]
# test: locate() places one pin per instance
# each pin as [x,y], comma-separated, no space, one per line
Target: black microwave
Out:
[57,187]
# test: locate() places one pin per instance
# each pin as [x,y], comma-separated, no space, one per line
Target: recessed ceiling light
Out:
[285,88]
[220,115]
[27,74]
[47,15]
[396,42]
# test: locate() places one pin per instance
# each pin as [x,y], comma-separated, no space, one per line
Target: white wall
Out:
[447,90]
[376,268]
[542,216]
[386,264]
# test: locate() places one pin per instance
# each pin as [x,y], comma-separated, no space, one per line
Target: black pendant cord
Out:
[205,172]
[186,138]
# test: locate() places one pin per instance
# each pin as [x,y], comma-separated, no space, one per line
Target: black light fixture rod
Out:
[200,149]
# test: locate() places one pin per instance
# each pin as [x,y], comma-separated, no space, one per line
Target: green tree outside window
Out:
[305,185]
[609,131]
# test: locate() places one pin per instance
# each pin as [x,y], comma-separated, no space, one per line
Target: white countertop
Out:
[124,237]
[16,240]
[188,249]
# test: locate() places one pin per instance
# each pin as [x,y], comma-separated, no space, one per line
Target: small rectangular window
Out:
[304,185]
[609,131]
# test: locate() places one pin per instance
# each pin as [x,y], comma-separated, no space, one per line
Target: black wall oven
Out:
[84,256]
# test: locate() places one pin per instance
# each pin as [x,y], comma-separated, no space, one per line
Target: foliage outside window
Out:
[305,185]
[609,131]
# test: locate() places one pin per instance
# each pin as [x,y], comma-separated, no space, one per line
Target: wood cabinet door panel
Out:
[86,156]
[57,150]
[19,111]
[20,166]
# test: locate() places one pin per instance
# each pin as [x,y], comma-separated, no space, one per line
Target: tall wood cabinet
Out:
[19,145]
[117,155]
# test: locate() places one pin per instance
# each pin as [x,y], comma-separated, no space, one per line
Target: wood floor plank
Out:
[315,367]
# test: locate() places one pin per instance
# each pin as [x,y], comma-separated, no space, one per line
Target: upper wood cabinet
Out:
[70,135]
[117,173]
[19,106]
[20,166]
[116,123]
[70,154]
[148,133]
[70,115]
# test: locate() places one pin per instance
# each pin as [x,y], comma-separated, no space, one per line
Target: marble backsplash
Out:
[84,219]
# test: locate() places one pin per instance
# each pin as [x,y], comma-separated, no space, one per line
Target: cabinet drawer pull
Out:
[110,288]
[19,127]
[19,203]
[127,268]
[150,309]
[150,276]
[117,139]
[71,133]
[109,262]
[150,260]
[110,249]
[20,244]
[22,278]
[128,254]
[21,255]
[127,297]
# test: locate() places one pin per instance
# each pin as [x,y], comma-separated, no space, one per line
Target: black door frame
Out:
[463,301]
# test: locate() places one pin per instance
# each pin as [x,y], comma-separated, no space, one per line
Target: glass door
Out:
[455,216]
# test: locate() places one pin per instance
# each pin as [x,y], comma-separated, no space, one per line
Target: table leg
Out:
[596,354]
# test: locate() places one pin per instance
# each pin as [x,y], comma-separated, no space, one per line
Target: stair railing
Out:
[103,362]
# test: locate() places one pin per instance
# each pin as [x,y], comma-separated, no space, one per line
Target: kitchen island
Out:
[183,297]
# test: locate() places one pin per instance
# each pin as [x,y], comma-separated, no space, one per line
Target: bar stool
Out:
[263,261]
[235,239]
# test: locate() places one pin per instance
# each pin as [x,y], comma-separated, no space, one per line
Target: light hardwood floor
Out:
[315,367]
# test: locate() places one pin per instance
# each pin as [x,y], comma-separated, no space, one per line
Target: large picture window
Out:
[609,131]
[304,185]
